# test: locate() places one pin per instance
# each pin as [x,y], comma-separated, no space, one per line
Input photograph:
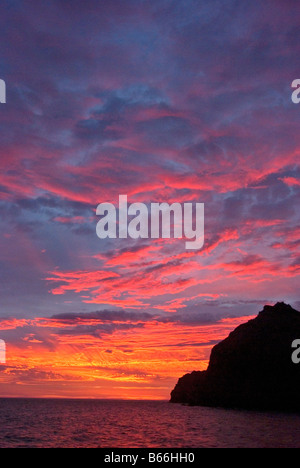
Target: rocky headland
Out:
[252,368]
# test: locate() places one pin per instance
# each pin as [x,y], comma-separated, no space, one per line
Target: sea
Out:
[59,423]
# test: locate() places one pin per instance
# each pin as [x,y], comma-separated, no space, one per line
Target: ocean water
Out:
[54,423]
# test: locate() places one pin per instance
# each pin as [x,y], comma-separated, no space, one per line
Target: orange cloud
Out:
[144,362]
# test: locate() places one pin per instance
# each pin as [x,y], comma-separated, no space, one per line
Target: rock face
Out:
[252,368]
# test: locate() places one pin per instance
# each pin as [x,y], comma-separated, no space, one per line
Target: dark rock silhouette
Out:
[252,368]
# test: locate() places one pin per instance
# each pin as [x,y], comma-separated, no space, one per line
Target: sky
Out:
[162,101]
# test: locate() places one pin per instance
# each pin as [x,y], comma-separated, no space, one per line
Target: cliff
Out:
[252,368]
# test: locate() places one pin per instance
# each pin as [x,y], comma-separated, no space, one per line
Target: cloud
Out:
[165,102]
[291,181]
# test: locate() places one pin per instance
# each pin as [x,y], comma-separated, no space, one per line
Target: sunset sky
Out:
[163,101]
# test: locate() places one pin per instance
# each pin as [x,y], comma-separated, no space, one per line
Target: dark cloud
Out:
[167,132]
[110,320]
[104,316]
